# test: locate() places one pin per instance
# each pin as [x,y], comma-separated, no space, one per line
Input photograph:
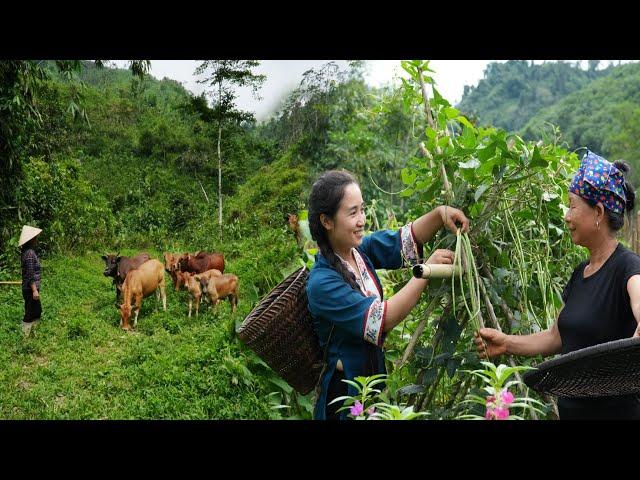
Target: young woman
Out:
[350,314]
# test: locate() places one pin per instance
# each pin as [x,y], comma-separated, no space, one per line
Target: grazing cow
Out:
[201,262]
[118,267]
[218,287]
[142,282]
[294,226]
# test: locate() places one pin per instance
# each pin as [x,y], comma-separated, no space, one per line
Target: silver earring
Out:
[598,224]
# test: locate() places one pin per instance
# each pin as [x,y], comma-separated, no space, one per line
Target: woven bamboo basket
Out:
[280,331]
[607,369]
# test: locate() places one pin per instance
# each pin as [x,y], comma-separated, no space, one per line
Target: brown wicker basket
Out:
[280,331]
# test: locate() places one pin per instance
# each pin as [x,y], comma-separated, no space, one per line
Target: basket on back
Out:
[280,331]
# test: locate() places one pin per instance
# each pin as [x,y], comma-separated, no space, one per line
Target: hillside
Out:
[514,91]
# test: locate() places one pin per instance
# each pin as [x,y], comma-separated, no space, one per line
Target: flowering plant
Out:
[363,406]
[500,401]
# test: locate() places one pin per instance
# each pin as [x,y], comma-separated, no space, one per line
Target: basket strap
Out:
[326,347]
[324,360]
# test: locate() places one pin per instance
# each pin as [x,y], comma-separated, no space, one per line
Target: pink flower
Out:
[371,410]
[507,397]
[498,413]
[501,413]
[357,409]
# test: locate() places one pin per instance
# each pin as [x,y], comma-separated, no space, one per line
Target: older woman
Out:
[30,278]
[602,297]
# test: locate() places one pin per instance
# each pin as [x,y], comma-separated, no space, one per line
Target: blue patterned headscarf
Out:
[600,181]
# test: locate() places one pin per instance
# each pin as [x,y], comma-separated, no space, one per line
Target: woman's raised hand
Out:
[452,215]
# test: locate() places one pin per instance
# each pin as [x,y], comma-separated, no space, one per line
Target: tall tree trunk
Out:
[220,163]
[219,178]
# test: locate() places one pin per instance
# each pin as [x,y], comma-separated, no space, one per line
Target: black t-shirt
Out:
[597,310]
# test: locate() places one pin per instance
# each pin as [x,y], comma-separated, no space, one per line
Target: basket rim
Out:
[594,351]
[538,377]
[251,316]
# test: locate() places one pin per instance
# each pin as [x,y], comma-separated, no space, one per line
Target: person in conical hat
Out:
[30,278]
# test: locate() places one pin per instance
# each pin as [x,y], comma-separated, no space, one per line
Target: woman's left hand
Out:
[452,215]
[637,332]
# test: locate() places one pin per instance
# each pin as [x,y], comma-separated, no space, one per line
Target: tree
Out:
[223,76]
[23,129]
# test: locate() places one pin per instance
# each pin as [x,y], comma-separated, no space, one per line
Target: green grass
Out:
[81,365]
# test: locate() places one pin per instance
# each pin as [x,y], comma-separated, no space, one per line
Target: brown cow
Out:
[201,262]
[171,266]
[118,267]
[193,287]
[142,282]
[181,279]
[220,287]
[294,226]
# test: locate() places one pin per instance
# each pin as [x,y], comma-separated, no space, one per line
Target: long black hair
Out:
[616,220]
[326,194]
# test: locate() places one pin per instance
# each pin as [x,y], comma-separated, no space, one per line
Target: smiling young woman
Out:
[346,301]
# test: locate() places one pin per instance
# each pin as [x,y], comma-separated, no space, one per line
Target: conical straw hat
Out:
[27,234]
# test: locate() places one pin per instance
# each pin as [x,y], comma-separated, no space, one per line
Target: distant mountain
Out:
[603,116]
[511,93]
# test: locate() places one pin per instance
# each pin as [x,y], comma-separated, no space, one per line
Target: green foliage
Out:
[511,93]
[514,193]
[80,365]
[602,116]
[58,200]
[142,175]
[136,179]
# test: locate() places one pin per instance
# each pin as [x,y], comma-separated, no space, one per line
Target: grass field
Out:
[81,365]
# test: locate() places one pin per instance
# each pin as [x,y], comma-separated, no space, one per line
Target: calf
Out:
[204,278]
[218,287]
[171,266]
[142,282]
[193,287]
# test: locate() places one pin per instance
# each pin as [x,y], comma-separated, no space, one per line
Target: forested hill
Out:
[603,116]
[512,92]
[125,161]
[596,109]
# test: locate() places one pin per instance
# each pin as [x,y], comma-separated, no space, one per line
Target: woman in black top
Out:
[602,297]
[30,278]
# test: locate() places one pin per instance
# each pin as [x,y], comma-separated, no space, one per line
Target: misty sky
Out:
[284,75]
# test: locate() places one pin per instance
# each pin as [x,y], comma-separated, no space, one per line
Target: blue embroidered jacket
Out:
[357,316]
